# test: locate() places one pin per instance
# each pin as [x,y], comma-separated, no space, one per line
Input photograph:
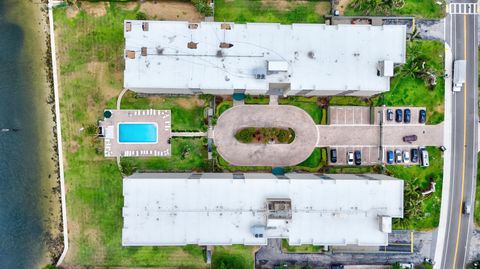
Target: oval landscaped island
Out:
[265,135]
[237,150]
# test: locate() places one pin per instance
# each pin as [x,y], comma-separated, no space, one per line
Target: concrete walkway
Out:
[189,134]
[447,140]
[119,99]
[284,116]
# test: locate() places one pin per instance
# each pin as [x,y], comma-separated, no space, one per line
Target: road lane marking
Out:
[464,142]
[411,242]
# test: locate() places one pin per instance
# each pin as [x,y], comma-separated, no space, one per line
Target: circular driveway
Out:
[280,116]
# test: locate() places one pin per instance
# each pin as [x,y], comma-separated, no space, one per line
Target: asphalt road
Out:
[461,35]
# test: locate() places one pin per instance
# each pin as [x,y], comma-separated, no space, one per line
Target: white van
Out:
[424,155]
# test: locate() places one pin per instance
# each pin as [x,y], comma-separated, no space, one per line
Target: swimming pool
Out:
[137,133]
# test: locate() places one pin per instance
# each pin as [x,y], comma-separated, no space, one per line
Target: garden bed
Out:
[265,135]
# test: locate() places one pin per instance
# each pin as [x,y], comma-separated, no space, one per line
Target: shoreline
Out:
[36,27]
[54,240]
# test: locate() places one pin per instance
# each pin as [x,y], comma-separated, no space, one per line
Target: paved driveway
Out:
[282,116]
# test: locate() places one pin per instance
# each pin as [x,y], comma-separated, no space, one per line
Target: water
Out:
[26,174]
[137,133]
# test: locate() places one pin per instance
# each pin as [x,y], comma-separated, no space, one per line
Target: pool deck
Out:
[113,148]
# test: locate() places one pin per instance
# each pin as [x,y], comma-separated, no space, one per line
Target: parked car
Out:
[350,158]
[410,138]
[466,208]
[333,155]
[422,116]
[390,157]
[358,157]
[414,155]
[424,155]
[336,266]
[389,115]
[407,115]
[398,115]
[398,156]
[406,156]
[428,260]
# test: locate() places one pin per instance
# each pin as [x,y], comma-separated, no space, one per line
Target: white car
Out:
[398,156]
[406,156]
[350,158]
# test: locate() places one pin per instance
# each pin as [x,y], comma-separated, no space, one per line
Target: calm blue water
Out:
[137,133]
[22,158]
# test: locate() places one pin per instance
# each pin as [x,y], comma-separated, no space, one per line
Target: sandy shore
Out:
[36,34]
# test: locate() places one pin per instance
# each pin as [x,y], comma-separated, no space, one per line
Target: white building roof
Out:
[215,209]
[315,56]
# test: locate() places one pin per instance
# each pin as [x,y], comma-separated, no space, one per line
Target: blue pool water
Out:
[137,133]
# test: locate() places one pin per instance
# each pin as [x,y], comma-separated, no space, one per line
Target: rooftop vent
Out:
[192,45]
[130,54]
[219,53]
[225,45]
[311,55]
[226,26]
[159,50]
[145,26]
[192,26]
[128,26]
[144,51]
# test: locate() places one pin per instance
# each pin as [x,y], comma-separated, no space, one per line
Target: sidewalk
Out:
[447,141]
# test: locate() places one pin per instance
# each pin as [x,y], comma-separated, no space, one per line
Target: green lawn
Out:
[233,257]
[91,68]
[420,177]
[257,100]
[300,249]
[188,154]
[352,169]
[348,101]
[416,8]
[188,113]
[406,90]
[242,11]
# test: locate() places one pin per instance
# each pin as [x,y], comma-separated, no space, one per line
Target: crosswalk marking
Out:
[463,8]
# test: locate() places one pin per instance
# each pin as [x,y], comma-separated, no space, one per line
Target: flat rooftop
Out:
[225,209]
[255,56]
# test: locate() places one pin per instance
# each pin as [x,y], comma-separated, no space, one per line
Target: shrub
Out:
[245,135]
[203,7]
[228,261]
[141,16]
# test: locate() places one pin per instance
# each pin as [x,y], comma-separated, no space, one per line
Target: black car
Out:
[414,155]
[410,138]
[336,266]
[407,116]
[422,116]
[358,157]
[398,115]
[333,155]
[389,114]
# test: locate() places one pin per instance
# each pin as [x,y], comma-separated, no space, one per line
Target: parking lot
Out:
[413,110]
[401,149]
[370,155]
[349,115]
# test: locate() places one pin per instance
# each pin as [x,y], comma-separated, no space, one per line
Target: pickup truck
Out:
[459,73]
